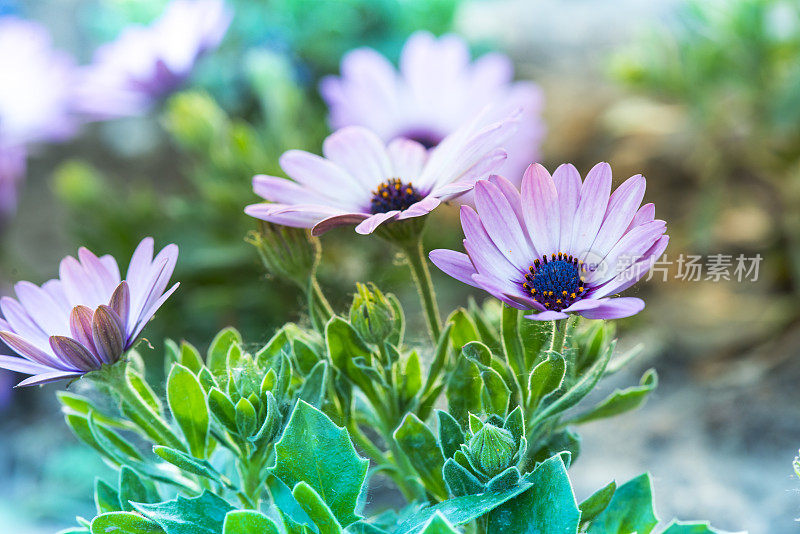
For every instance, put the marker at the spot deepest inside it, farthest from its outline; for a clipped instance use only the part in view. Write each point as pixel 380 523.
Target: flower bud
pixel 289 253
pixel 492 449
pixel 372 315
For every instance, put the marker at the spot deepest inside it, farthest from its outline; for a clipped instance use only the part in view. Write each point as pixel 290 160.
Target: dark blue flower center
pixel 394 195
pixel 555 282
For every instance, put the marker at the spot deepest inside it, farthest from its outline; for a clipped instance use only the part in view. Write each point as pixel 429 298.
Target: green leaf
pixel 223 409
pixel 419 444
pixel 548 506
pixel 283 337
pixel 190 357
pixel 305 357
pixel 246 418
pixel 272 421
pixel 218 350
pixel 439 525
pixel 106 498
pixel 630 510
pixel 313 391
pixel 464 390
pixel 621 400
pixel 124 523
pixel 679 527
pixel 315 507
pixel 459 480
pixel 451 437
pixel 577 392
pixel 187 402
pixel 460 510
pixel 535 335
pixel 496 392
pixel 343 343
pixel 545 379
pixel 290 510
pixel 77 404
pixel 132 489
pixel 248 522
pixel 316 451
pixel 412 377
pixel 187 463
pixel 201 515
pixel 597 502
pixel 463 330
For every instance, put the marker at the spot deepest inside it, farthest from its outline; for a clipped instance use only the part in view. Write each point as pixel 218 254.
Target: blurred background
pixel 702 97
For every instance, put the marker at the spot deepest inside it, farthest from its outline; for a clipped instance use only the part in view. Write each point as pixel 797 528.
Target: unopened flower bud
pixel 289 253
pixel 372 315
pixel 492 449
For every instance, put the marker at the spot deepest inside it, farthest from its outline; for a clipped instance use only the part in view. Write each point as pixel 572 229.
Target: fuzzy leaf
pixel 343 343
pixel 313 391
pixel 187 402
pixel 459 480
pixel 201 515
pixel 124 523
pixel 463 330
pixel 548 506
pixel 460 510
pixel 106 498
pixel 630 510
pixel 597 502
pixel 132 489
pixel 248 522
pixel 621 400
pixel 190 357
pixel 439 525
pixel 419 444
pixel 451 437
pixel 545 379
pixel 218 350
pixel 679 527
pixel 315 507
pixel 316 451
pixel 187 463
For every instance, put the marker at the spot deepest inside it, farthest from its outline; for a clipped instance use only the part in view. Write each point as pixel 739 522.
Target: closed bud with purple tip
pixel 88 317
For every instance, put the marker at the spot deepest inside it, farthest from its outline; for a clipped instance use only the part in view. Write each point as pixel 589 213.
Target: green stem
pixel 557 339
pixel 417 261
pixel 114 378
pixel 250 476
pixel 318 298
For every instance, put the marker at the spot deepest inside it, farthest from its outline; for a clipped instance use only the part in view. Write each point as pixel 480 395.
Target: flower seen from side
pixel 365 182
pixel 146 63
pixel 86 318
pixel 436 90
pixel 559 246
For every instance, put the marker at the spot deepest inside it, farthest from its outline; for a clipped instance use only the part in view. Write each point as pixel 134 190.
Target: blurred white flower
pixel 146 63
pixel 35 90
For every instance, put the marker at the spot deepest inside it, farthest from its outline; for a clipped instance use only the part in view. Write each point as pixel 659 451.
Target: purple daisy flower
pixel 363 181
pixel 87 317
pixel 35 93
pixel 146 63
pixel 561 246
pixel 436 90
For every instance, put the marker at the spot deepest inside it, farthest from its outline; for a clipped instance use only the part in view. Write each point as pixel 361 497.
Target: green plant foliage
pixel 316 452
pixel 187 403
pixel 548 506
pixel 201 515
pixel 248 522
pixel 630 509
